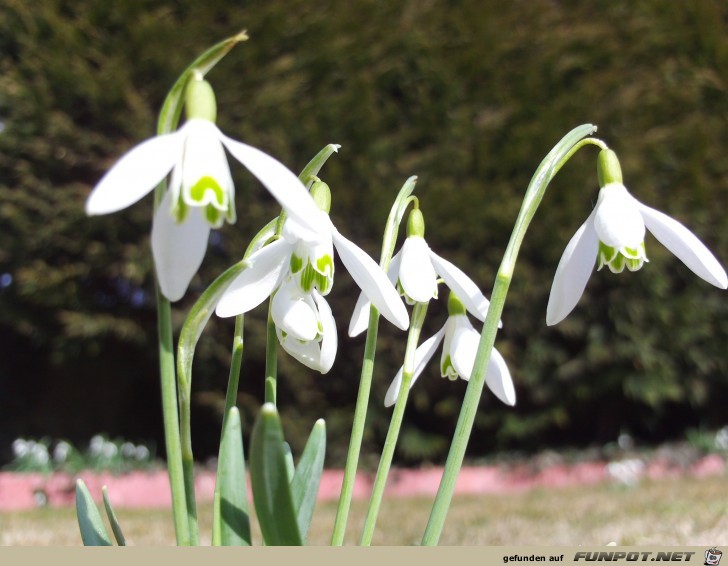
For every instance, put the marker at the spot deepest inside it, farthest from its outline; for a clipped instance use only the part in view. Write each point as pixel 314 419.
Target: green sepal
pixel 113 521
pixel 232 518
pixel 93 531
pixel 269 478
pixel 305 484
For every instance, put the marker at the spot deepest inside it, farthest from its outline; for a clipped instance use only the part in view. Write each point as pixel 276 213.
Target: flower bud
pixel 416 223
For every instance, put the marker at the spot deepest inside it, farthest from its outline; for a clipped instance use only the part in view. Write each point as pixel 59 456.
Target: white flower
pixel 200 195
pixel 307 258
pixel 458 357
pixel 416 268
pixel 614 233
pixel 305 326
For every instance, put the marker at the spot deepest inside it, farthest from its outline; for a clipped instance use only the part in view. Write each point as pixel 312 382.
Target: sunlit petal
pixel 498 379
pixel 135 174
pixel 258 281
pixel 178 249
pixel 423 354
pixel 294 313
pixel 285 187
pixel 572 274
pixel 464 346
pixel 416 274
pixel 464 288
pixel 308 352
pixel 330 340
pixel 360 317
pixel 685 245
pixel 372 281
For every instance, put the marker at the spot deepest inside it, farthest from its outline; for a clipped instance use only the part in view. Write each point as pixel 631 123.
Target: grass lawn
pixel 681 511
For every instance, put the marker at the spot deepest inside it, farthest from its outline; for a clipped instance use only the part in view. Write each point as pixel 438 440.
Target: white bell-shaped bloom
pixel 415 270
pixel 614 234
pixel 305 254
pixel 200 195
pixel 460 346
pixel 305 326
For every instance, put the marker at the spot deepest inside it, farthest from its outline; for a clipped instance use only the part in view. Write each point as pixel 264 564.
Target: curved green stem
pixel 551 164
pixel 385 462
pixel 367 369
pixel 271 360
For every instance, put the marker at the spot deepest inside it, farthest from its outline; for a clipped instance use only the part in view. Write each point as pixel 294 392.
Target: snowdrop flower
pixel 305 326
pixel 200 195
pixel 461 342
pixel 614 234
pixel 301 263
pixel 415 270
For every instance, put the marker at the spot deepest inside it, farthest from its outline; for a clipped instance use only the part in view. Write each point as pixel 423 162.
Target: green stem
pixel 271 361
pixel 385 462
pixel 551 164
pixel 367 369
pixel 357 430
pixel 171 419
pixel 231 395
pixel 188 469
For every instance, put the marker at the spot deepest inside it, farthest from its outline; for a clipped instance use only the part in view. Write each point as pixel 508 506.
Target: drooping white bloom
pixel 614 234
pixel 305 326
pixel 200 194
pixel 415 270
pixel 461 342
pixel 304 258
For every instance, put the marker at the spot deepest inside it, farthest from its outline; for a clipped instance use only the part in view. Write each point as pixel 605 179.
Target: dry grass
pixel 684 511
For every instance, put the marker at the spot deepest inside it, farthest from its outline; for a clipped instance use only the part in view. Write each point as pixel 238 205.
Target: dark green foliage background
pixel 467 95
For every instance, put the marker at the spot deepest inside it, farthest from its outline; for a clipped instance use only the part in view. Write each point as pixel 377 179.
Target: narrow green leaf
pixel 314 166
pixel 305 484
pixel 93 531
pixel 269 478
pixel 113 521
pixel 172 107
pixel 233 486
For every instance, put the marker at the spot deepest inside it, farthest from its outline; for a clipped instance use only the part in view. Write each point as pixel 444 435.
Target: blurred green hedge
pixel 466 95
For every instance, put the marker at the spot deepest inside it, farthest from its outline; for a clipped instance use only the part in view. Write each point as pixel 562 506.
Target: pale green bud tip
pixel 608 168
pixel 454 305
pixel 416 223
pixel 200 100
pixel 321 194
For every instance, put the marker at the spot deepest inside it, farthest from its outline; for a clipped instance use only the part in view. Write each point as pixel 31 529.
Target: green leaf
pixel 305 484
pixel 269 478
pixel 290 466
pixel 172 107
pixel 233 518
pixel 115 527
pixel 93 531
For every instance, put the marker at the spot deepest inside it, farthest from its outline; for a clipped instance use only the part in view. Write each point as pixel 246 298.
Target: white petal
pixel 685 245
pixel 135 174
pixel 416 273
pixel 294 313
pixel 464 288
pixel 372 280
pixel 464 346
pixel 308 353
pixel 258 281
pixel 572 274
pixel 498 379
pixel 178 249
pixel 423 354
pixel 617 220
pixel 285 187
pixel 360 317
pixel 330 340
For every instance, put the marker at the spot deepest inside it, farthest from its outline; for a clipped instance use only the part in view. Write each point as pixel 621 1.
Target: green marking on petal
pixel 447 369
pixel 296 263
pixel 617 259
pixel 325 264
pixel 180 211
pixel 213 216
pixel 307 278
pixel 205 186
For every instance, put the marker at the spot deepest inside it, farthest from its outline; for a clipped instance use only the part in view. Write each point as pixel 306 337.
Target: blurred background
pixel 467 95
